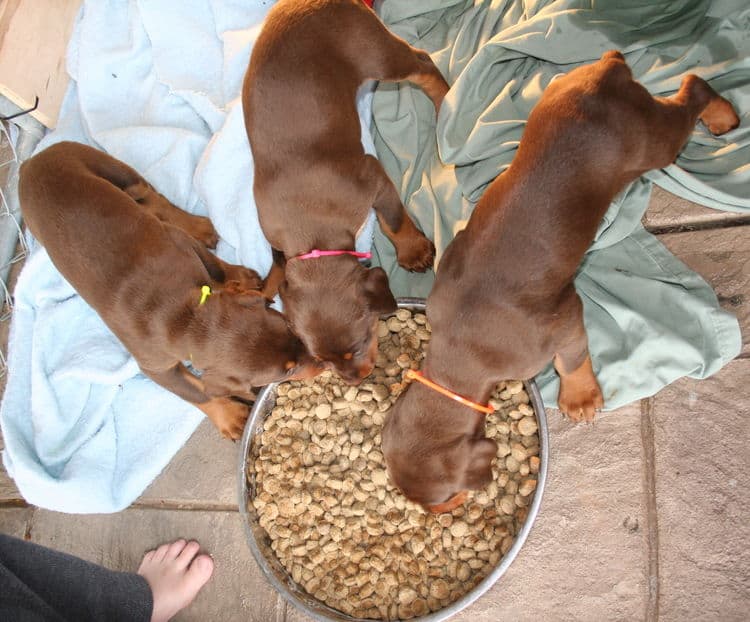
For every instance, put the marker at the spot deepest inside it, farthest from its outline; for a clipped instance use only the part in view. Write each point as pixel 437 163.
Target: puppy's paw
pixel 243 279
pixel 202 229
pixel 720 117
pixel 231 419
pixel 580 403
pixel 417 255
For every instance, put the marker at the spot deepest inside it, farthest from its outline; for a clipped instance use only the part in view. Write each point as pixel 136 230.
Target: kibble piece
pixel 379 477
pixel 459 529
pixel 482 498
pixel 403 361
pixel 527 487
pixel 380 392
pixel 534 464
pixel 439 589
pixel 394 324
pixel 419 607
pixel 406 596
pixel 514 386
pixel 527 426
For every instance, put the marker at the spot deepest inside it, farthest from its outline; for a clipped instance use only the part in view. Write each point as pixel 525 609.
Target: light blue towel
pixel 156 84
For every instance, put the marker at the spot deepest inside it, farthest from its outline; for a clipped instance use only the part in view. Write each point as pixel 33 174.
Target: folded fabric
pixel 650 320
pixel 156 84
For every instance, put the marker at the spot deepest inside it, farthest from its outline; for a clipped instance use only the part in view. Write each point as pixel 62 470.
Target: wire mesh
pixel 10 228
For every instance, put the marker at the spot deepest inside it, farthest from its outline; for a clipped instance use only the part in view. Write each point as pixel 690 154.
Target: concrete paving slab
pixel 722 257
pixel 587 555
pixel 202 474
pixel 14 521
pixel 668 211
pixel 237 591
pixel 701 431
pixel 586 558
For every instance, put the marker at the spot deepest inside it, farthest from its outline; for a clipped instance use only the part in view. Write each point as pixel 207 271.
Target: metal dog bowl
pixel 278 576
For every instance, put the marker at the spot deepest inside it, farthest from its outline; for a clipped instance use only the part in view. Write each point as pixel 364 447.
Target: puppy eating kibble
pixel 504 302
pixel 314 185
pixel 142 264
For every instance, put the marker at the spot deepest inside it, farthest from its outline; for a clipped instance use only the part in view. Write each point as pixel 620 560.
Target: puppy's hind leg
pixel 389 58
pixel 676 116
pixel 413 250
pixel 699 101
pixel 428 77
pixel 156 204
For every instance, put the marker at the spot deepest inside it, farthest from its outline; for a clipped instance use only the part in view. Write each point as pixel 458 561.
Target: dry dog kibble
pixel 337 524
pixel 527 426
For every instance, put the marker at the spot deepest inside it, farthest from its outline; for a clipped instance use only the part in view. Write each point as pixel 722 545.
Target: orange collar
pixel 416 375
pixel 449 505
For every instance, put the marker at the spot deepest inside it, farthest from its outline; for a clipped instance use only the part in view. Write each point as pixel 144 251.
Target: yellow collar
pixel 205 293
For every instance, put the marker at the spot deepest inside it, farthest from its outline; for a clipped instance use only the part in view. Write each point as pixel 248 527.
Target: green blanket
pixel 650 320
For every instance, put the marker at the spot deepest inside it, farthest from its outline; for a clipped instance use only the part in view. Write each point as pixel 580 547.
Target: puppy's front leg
pixel 151 201
pixel 275 275
pixel 580 395
pixel 413 250
pixel 228 415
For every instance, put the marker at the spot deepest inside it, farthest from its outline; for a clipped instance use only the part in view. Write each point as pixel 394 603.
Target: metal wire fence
pixel 10 231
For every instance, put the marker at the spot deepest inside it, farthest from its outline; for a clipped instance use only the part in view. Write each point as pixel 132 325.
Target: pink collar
pixel 315 253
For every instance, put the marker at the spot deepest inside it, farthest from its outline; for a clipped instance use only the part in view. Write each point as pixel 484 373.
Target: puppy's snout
pixel 305 372
pixel 349 377
pixel 354 374
pixel 307 367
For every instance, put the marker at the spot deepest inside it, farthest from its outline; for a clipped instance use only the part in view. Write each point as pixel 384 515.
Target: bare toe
pixel 174 549
pixel 200 571
pixel 188 553
pixel 160 553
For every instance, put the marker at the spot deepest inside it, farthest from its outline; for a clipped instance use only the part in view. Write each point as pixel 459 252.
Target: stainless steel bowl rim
pixel 467 599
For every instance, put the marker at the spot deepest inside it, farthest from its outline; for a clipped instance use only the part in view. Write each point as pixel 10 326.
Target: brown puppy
pixel 141 263
pixel 492 320
pixel 314 184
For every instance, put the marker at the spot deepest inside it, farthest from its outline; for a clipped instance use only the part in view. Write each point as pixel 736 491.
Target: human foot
pixel 176 573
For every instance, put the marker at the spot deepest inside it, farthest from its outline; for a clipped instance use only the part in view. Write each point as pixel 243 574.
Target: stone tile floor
pixel 645 515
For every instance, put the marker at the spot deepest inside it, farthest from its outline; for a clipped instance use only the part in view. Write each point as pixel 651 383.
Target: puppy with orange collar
pixel 491 320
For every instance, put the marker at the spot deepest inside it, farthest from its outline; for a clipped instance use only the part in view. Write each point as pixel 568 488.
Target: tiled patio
pixel 645 515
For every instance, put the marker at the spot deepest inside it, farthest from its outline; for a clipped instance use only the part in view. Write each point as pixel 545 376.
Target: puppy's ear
pixel 378 293
pixel 479 464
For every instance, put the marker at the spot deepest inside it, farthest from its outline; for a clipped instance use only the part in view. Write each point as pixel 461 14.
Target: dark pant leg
pixel 39 584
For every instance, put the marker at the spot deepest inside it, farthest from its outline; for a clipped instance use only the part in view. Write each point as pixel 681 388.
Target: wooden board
pixel 33 38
